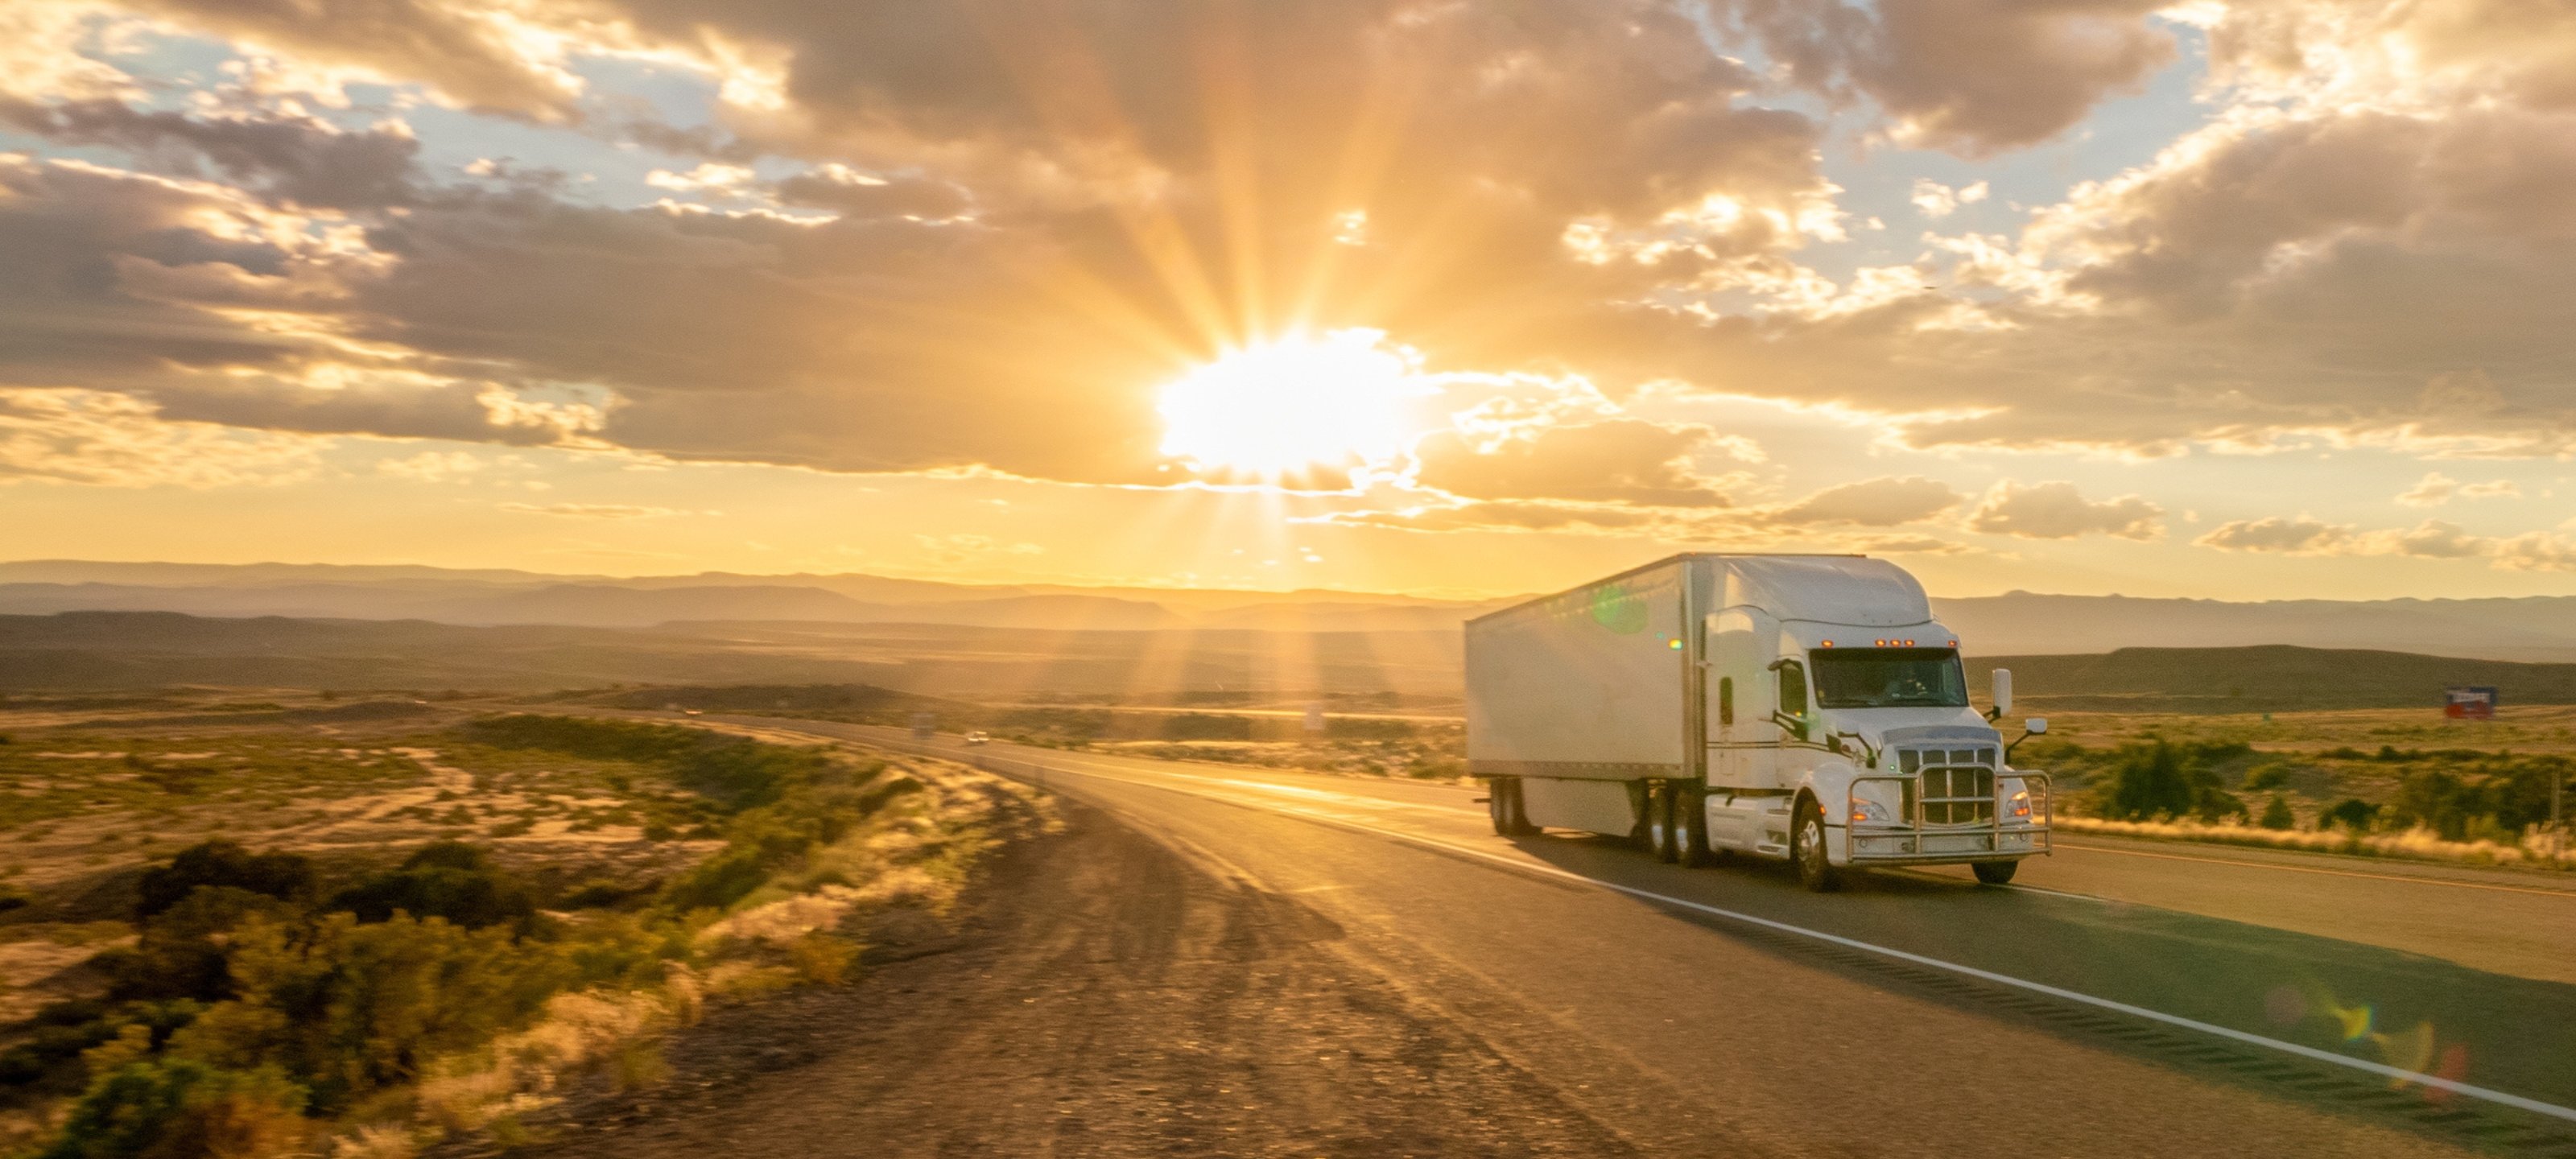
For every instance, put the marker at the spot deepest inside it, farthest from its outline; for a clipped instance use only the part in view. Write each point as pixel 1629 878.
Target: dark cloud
pixel 92 260
pixel 299 160
pixel 454 47
pixel 1970 76
pixel 843 191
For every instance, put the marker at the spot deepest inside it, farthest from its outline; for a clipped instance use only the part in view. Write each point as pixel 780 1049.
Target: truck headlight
pixel 1869 813
pixel 2019 804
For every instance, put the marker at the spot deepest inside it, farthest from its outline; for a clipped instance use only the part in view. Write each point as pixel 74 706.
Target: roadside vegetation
pixel 360 945
pixel 2459 804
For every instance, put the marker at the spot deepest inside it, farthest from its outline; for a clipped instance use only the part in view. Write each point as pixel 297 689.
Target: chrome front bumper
pixel 1911 842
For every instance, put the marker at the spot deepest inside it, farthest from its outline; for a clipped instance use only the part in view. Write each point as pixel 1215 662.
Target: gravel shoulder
pixel 1094 994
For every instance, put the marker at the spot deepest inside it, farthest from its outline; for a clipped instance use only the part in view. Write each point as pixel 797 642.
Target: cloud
pixel 98 439
pixel 432 466
pixel 1622 460
pixel 299 160
pixel 490 57
pixel 2431 539
pixel 2059 511
pixel 1971 76
pixel 2436 488
pixel 1885 502
pixel 598 510
pixel 844 190
pixel 1937 200
pixel 1043 212
pixel 2299 536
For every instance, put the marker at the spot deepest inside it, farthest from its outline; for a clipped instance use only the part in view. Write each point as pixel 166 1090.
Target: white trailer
pixel 1799 707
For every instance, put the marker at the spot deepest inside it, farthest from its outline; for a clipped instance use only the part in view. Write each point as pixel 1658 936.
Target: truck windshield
pixel 1889 678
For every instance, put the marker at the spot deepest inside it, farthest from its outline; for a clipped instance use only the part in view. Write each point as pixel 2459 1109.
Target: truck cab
pixel 1839 728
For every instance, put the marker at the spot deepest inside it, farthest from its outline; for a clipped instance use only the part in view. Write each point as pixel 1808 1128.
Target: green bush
pixel 223 863
pixel 348 1007
pixel 2352 813
pixel 2269 775
pixel 2276 814
pixel 182 1109
pixel 181 953
pixel 2148 783
pixel 444 879
pixel 2161 780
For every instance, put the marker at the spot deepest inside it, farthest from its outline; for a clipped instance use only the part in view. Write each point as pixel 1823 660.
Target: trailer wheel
pixel 1659 821
pixel 1995 872
pixel 1503 805
pixel 1807 849
pixel 1690 825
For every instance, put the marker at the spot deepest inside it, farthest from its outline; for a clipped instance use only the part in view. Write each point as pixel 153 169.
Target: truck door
pixel 1735 705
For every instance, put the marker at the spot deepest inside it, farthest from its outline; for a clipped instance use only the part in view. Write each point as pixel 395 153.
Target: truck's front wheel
pixel 1807 849
pixel 1995 872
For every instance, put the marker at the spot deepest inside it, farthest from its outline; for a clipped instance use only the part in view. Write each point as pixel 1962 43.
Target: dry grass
pixel 2536 850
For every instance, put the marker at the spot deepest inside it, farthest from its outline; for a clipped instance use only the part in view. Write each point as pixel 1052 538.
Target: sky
pixel 2236 299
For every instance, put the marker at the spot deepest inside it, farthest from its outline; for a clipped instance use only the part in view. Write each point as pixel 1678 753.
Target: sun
pixel 1295 405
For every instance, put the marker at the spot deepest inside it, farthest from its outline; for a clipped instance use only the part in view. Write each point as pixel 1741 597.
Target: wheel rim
pixel 1811 847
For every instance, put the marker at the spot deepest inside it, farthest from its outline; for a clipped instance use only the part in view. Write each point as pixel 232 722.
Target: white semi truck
pixel 1799 707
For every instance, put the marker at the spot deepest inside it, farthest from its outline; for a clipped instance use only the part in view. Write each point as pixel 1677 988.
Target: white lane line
pixel 2383 1070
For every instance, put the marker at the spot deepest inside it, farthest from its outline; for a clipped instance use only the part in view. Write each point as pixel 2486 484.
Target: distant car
pixel 977 738
pixel 692 712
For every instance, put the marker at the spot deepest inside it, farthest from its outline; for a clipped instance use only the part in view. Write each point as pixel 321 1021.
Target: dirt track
pixel 1105 997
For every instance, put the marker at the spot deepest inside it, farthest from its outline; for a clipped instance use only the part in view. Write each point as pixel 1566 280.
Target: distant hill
pixel 2021 623
pixel 82 652
pixel 2537 628
pixel 2270 678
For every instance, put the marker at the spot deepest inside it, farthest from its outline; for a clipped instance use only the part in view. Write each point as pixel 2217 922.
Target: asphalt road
pixel 2134 997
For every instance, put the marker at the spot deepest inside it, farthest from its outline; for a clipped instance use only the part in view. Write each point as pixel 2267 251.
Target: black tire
pixel 1659 821
pixel 1807 850
pixel 1498 806
pixel 1516 822
pixel 1995 872
pixel 1690 825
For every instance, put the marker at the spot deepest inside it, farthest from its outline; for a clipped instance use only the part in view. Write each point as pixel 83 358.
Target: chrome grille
pixel 1958 785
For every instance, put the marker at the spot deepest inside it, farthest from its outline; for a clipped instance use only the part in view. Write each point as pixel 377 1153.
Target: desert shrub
pixel 225 863
pixel 2494 797
pixel 444 879
pixel 2215 806
pixel 821 958
pixel 180 953
pixel 737 772
pixel 2147 783
pixel 2269 775
pixel 182 1109
pixel 2160 779
pixel 2352 813
pixel 348 1007
pixel 2276 814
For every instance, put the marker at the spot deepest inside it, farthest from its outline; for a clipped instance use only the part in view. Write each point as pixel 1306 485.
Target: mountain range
pixel 2530 628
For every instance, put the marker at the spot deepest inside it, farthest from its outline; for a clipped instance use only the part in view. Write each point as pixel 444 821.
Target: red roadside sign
pixel 2470 703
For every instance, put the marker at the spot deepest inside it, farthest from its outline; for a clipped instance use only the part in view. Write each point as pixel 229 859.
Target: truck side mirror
pixel 2002 681
pixel 2036 726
